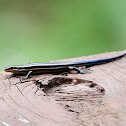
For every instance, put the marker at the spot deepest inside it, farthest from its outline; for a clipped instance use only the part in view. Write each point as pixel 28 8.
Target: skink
pixel 57 67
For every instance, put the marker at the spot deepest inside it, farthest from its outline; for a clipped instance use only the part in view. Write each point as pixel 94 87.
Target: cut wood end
pixel 96 98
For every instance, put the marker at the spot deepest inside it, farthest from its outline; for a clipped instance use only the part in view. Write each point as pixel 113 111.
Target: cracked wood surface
pixel 93 99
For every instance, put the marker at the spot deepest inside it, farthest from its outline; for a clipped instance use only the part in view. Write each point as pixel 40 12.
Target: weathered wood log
pixel 93 99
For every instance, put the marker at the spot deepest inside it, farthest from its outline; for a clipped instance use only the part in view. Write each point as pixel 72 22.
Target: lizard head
pixel 10 69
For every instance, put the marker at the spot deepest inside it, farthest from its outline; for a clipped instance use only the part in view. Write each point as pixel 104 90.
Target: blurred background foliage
pixel 45 30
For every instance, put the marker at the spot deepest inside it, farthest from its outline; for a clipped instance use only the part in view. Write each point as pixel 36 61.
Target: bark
pixel 93 99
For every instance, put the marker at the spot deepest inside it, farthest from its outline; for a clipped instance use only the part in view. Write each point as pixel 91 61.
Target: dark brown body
pixel 57 67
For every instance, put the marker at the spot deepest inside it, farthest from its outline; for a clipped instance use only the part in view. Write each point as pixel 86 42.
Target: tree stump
pixel 93 99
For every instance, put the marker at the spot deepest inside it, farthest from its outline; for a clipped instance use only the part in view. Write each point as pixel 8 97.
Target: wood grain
pixel 93 99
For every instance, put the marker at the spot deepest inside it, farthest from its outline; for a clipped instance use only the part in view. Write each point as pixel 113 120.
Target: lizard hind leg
pixel 77 70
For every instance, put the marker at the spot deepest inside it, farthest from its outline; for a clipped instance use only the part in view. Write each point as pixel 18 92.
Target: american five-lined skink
pixel 57 67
